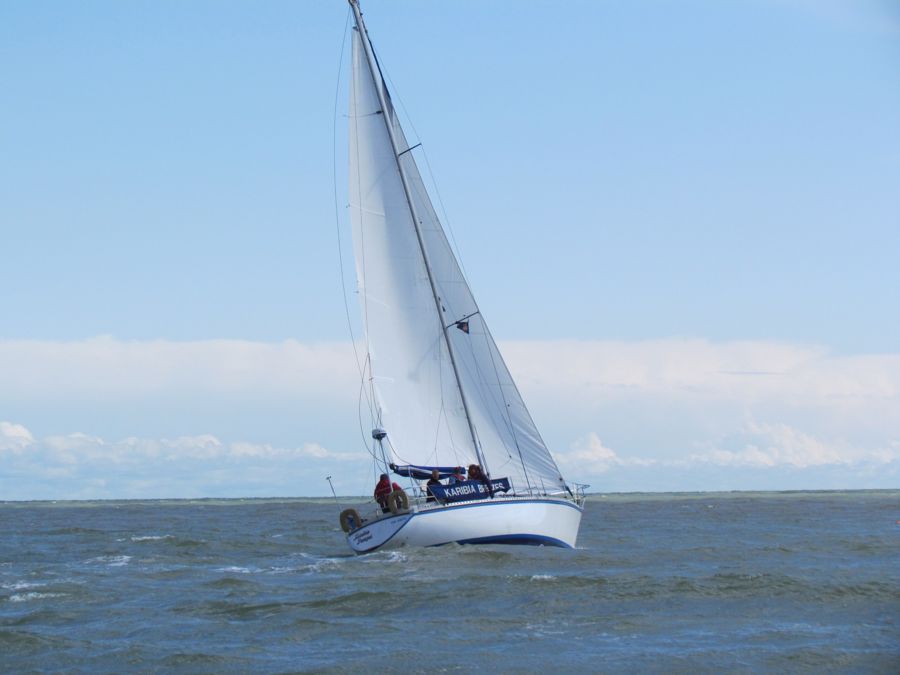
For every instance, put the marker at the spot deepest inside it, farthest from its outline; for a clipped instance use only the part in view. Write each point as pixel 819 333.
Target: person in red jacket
pixel 383 490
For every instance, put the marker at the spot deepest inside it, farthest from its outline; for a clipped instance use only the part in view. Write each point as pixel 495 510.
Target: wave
pixel 230 583
pixel 199 659
pixel 382 557
pixel 236 569
pixel 74 530
pixel 22 585
pixel 310 564
pixel 360 603
pixel 240 610
pixel 720 585
pixel 110 560
pixel 168 539
pixel 27 597
pixel 12 641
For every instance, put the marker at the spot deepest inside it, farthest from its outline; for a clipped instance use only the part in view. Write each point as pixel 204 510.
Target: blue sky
pixel 680 219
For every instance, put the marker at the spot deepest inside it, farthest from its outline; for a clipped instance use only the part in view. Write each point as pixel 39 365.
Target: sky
pixel 681 221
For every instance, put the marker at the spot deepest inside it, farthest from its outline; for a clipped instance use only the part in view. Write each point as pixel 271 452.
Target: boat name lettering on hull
pixel 470 489
pixel 362 537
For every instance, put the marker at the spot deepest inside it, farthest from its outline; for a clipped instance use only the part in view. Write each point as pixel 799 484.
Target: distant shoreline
pixel 591 497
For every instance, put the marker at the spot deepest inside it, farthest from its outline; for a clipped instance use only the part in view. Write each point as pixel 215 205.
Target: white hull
pixel 537 521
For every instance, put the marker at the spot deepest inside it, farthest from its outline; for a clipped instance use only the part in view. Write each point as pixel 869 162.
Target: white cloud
pixel 202 447
pixel 109 369
pixel 14 437
pixel 81 466
pixel 745 370
pixel 759 456
pixel 589 455
pixel 779 445
pixel 106 368
pixel 662 399
pixel 310 450
pixel 661 404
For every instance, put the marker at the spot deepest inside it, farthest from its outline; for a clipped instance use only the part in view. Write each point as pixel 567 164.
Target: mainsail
pixel 442 390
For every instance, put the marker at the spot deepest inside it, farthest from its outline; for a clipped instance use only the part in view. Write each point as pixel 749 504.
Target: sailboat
pixel 443 402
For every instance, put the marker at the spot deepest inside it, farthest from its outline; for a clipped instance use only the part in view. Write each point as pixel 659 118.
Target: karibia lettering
pixel 470 489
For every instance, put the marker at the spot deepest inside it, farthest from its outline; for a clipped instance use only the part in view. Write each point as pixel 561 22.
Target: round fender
pixel 398 501
pixel 350 519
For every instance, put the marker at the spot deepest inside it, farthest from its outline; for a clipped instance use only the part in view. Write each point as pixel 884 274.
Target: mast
pixel 380 88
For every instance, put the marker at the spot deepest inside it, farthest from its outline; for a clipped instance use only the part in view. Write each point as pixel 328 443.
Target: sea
pixel 659 583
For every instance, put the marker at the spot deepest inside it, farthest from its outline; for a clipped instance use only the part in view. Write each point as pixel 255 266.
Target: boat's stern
pixel 375 534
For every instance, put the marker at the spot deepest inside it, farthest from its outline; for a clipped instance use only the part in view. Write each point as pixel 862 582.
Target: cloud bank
pixel 80 466
pixel 672 414
pixel 104 368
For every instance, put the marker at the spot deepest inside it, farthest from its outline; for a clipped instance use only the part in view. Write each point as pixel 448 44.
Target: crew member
pixel 434 480
pixel 383 490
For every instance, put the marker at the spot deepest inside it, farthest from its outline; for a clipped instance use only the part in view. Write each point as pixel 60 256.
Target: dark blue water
pixel 718 582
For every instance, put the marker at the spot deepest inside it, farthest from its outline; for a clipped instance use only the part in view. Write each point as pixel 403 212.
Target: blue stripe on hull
pixel 519 539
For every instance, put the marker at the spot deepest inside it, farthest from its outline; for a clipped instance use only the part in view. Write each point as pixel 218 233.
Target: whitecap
pixel 22 585
pixel 543 577
pixel 152 537
pixel 323 565
pixel 112 560
pixel 388 556
pixel 25 597
pixel 313 564
pixel 282 570
pixel 540 630
pixel 234 569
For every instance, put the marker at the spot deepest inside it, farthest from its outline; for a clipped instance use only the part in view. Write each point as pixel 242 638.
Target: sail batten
pixel 443 391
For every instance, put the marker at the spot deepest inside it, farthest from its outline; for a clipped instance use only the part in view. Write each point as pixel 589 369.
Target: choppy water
pixel 709 583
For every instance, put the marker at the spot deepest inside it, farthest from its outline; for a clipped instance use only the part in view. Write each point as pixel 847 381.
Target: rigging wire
pixel 508 418
pixel 362 431
pixel 337 221
pixel 445 219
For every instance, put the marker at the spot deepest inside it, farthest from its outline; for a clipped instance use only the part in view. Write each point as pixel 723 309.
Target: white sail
pixel 414 319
